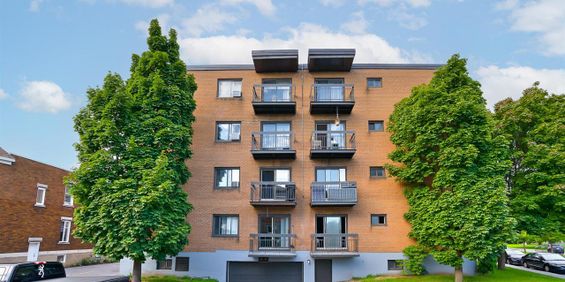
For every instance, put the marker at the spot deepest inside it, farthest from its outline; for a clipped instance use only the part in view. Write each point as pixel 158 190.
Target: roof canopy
pixel 275 60
pixel 330 59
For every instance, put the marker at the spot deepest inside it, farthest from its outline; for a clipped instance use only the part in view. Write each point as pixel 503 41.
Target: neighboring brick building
pixel 288 179
pixel 36 213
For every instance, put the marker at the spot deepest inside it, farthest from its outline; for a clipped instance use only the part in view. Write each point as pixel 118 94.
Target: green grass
pixel 508 274
pixel 171 278
pixel 520 246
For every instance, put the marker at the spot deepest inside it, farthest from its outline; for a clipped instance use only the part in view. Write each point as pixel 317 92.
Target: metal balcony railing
pixel 333 140
pixel 332 93
pixel 270 192
pixel 271 141
pixel 335 243
pixel 270 242
pixel 339 192
pixel 273 93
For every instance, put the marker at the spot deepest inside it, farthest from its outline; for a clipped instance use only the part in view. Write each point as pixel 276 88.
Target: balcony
pixel 274 99
pixel 271 245
pixel 335 245
pixel 333 144
pixel 331 99
pixel 339 193
pixel 268 193
pixel 272 145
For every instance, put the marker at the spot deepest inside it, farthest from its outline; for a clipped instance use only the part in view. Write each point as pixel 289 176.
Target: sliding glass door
pixel 274 231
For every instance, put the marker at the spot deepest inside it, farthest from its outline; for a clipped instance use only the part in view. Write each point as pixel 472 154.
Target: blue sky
pixel 52 51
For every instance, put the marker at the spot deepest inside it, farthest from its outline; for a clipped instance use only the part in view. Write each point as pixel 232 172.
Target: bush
pixel 415 262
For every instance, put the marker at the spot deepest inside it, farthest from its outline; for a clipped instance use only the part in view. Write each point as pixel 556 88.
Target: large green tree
pixel 535 124
pixel 134 139
pixel 453 168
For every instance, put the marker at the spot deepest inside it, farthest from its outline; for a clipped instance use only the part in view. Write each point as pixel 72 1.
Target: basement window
pixel 181 263
pixel 166 264
pixel 395 264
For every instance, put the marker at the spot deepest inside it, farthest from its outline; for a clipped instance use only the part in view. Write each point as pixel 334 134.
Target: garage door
pixel 267 271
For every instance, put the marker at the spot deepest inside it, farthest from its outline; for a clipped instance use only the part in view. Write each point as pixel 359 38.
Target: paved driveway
pixel 562 276
pixel 107 269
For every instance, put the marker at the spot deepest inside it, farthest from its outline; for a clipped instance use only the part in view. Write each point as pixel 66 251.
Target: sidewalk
pixel 107 269
pixel 562 276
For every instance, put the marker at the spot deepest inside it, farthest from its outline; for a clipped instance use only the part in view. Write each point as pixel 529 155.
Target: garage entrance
pixel 265 271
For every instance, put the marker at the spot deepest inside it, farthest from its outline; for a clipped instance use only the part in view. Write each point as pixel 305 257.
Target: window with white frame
pixel 65 230
pixel 68 199
pixel 40 198
pixel 229 88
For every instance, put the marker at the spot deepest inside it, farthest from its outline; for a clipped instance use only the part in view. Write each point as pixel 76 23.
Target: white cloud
pixel 265 7
pixel 499 83
pixel 3 94
pixel 546 18
pixel 209 18
pixel 403 11
pixel 43 96
pixel 332 3
pixel 34 5
pixel 149 3
pixel 506 4
pixel 358 24
pixel 163 19
pixel 235 49
pixel 407 19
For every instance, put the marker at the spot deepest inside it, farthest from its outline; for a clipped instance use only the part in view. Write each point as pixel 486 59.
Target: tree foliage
pixel 134 139
pixel 535 124
pixel 453 167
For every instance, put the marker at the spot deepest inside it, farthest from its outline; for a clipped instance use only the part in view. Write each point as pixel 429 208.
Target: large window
pixel 374 82
pixel 275 136
pixel 228 131
pixel 65 233
pixel 227 177
pixel 40 197
pixel 277 89
pixel 225 225
pixel 68 199
pixel 229 88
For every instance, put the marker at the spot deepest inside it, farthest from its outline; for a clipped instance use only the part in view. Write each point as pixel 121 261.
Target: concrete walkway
pixel 107 269
pixel 562 276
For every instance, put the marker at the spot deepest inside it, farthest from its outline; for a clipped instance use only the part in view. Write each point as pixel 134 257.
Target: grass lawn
pixel 171 278
pixel 521 246
pixel 508 274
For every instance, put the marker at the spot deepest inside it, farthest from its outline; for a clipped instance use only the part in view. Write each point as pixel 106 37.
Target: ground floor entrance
pixel 323 270
pixel 265 271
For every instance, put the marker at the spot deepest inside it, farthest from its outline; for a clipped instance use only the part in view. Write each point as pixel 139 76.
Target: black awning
pixel 330 59
pixel 275 60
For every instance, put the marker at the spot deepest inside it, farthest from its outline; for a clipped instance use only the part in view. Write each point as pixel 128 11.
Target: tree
pixel 453 168
pixel 134 139
pixel 535 124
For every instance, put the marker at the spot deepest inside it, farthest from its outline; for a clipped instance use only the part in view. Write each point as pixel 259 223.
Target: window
pixel 374 82
pixel 62 258
pixel 68 199
pixel 181 264
pixel 227 177
pixel 165 264
pixel 378 219
pixel 225 225
pixel 229 88
pixel 41 191
pixel 377 172
pixel 228 131
pixel 376 125
pixel 395 264
pixel 277 90
pixel 65 229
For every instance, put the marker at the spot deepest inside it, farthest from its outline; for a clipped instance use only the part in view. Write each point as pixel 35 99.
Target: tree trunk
pixel 136 274
pixel 502 261
pixel 459 273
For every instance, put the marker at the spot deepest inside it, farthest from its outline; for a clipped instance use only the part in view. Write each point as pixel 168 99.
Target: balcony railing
pixel 269 244
pixel 331 93
pixel 272 145
pixel 274 99
pixel 339 193
pixel 335 245
pixel 333 144
pixel 273 193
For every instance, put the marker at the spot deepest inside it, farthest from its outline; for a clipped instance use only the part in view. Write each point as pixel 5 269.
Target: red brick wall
pixel 20 218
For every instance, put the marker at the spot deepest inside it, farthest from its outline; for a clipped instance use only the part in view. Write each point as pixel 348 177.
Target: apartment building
pixel 36 213
pixel 288 180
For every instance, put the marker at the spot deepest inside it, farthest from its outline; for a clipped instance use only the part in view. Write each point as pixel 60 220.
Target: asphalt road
pixel 107 269
pixel 562 276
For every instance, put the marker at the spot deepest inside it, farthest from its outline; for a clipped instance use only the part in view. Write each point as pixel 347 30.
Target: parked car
pixel 514 257
pixel 42 270
pixel 557 249
pixel 546 261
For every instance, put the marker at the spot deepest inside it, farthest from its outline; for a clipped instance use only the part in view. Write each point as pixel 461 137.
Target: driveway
pixel 562 276
pixel 107 269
